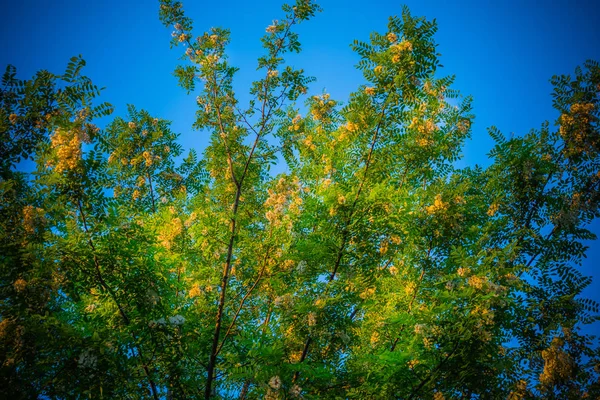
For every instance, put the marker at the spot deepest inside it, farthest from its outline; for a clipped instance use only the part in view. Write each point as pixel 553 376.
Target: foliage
pixel 372 268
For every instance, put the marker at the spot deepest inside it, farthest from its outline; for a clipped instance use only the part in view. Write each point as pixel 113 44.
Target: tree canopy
pixel 373 267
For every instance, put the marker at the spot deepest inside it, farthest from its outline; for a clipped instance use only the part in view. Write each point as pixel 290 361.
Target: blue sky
pixel 502 53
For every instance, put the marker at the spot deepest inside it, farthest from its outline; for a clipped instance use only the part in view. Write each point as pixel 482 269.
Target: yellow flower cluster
pixel 425 128
pixel 370 91
pixel 285 197
pixel 399 49
pixel 374 338
pixel 273 73
pixel 272 28
pixel 576 130
pixel 169 232
pixel 392 37
pixel 312 319
pixel 295 123
pixel 520 392
pixel 369 292
pixel 477 282
pixel 147 158
pixel 558 365
pixel 410 288
pixel 13 118
pixel 493 209
pixel 463 126
pixel 351 126
pixel 190 220
pixel 438 205
pixel 67 144
pixel 321 107
pixel 383 248
pixel 20 285
pixel 295 357
pixel 32 217
pixel 485 314
pixel 195 291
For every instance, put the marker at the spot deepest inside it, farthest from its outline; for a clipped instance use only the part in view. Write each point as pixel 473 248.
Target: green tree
pixel 373 268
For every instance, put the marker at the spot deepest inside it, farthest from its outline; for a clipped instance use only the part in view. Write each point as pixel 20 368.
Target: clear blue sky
pixel 503 53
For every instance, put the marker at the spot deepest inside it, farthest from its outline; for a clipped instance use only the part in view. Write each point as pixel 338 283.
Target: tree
pixel 373 268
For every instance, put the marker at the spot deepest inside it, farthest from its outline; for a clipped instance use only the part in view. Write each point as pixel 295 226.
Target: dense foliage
pixel 372 268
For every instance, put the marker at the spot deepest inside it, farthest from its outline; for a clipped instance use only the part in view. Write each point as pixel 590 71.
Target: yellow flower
pixel 13 118
pixel 384 247
pixel 438 205
pixel 493 209
pixel 20 285
pixel 351 126
pixel 132 125
pixel 68 149
pixel 295 357
pixel 374 338
pixel 369 91
pixel 378 69
pixel 392 37
pixel 477 282
pixel 195 291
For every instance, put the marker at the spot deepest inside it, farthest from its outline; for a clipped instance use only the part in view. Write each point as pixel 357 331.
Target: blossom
pixel 32 216
pixel 13 118
pixel 295 391
pixel 351 126
pixel 393 270
pixel 558 364
pixel 438 205
pixel 272 73
pixel 369 91
pixel 20 284
pixel 275 382
pixel 131 125
pixel 493 209
pixel 374 338
pixel 391 37
pixel 312 319
pixel 477 281
pixel 295 357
